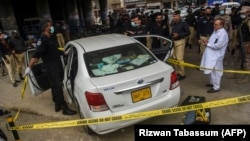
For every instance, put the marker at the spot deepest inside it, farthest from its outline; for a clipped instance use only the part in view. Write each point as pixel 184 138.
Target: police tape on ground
pixel 146 114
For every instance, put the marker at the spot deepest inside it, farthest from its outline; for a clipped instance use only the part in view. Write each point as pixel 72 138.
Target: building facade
pixel 24 16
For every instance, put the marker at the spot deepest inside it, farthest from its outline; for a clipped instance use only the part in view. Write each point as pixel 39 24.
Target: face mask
pixel 222 12
pixel 52 29
pixel 242 16
pixel 5 36
pixel 133 24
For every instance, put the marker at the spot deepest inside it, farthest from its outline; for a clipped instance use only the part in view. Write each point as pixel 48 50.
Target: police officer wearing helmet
pixel 47 50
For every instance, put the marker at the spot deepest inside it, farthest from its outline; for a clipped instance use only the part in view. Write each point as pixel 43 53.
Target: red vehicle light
pixel 96 101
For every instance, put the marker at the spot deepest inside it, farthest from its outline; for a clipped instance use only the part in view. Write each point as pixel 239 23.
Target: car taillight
pixel 96 101
pixel 174 81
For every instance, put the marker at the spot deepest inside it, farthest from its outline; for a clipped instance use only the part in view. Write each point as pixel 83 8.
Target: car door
pixel 164 51
pixel 37 80
pixel 70 71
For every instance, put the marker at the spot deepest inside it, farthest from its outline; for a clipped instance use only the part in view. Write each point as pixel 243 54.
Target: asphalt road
pixel 39 109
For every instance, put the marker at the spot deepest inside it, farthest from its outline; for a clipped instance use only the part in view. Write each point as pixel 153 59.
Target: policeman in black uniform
pixel 50 55
pixel 216 10
pixel 190 19
pixel 137 28
pixel 158 27
pixel 205 28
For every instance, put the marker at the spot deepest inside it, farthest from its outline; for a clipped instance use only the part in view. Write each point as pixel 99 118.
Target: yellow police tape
pixel 60 48
pixel 199 67
pixel 24 86
pixel 22 96
pixel 147 114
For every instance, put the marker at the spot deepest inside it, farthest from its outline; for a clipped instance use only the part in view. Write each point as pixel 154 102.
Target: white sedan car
pixel 113 74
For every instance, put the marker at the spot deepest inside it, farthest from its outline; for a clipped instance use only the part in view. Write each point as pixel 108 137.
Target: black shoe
pixel 67 111
pixel 181 77
pixel 14 84
pixel 212 90
pixel 18 81
pixel 58 107
pixel 209 85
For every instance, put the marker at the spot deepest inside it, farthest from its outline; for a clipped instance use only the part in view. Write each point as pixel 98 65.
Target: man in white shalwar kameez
pixel 214 54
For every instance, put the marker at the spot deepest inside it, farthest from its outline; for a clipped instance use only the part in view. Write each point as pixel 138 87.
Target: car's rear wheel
pixel 85 127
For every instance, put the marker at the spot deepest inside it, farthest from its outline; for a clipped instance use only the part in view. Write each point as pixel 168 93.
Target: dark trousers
pixel 156 43
pixel 55 77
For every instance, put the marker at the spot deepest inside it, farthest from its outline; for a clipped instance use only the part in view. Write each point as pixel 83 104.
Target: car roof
pixel 230 3
pixel 103 41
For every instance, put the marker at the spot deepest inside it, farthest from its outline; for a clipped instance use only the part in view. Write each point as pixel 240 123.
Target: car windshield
pixel 117 59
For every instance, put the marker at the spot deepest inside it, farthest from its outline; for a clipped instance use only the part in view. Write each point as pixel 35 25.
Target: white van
pixel 229 5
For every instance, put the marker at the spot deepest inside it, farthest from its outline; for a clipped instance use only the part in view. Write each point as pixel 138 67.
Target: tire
pixel 85 127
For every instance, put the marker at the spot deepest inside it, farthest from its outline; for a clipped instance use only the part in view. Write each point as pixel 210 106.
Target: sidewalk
pixel 10 99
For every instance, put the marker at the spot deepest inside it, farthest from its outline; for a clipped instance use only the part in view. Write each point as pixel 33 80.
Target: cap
pixel 222 7
pixel 177 12
pixel 43 24
pixel 244 9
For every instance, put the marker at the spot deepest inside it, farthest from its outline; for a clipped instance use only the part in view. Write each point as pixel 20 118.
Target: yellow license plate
pixel 141 94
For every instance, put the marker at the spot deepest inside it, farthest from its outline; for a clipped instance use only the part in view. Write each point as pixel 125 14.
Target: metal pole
pixel 14 132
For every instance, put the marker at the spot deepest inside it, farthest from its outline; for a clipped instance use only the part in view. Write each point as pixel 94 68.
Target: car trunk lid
pixel 121 93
